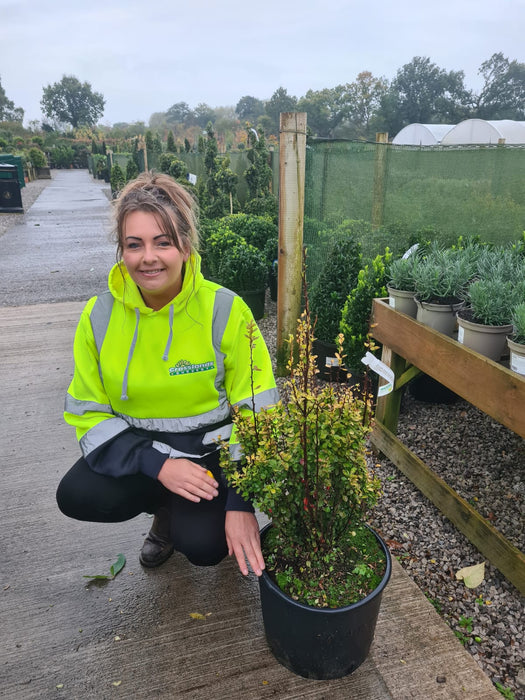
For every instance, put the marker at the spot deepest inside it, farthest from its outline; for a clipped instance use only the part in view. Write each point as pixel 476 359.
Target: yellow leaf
pixel 116 683
pixel 472 576
pixel 198 616
pixel 60 686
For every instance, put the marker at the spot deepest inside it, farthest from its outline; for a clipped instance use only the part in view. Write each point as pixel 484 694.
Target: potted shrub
pixel 305 467
pixel 440 282
pixel 328 294
pixel 486 321
pixel 217 239
pixel 516 342
pixel 355 316
pixel 401 285
pixel 243 268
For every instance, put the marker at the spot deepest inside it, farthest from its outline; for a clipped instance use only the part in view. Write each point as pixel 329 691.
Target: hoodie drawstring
pixel 170 336
pixel 124 396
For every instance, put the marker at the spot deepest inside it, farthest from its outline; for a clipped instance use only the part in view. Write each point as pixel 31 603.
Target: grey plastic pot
pixel 440 317
pixel 403 301
pixel 489 341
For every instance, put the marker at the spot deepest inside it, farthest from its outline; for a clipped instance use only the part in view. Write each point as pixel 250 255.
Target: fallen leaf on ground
pixel 472 576
pixel 199 616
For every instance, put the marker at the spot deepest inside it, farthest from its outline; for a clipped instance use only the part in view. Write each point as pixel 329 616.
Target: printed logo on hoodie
pixel 185 367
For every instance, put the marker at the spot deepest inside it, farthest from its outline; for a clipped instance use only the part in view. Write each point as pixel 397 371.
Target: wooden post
pixel 378 199
pixel 292 157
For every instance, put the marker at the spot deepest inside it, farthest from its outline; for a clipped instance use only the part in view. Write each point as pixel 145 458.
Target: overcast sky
pixel 145 56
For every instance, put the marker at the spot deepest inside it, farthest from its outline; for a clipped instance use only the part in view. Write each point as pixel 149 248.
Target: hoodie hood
pixel 124 290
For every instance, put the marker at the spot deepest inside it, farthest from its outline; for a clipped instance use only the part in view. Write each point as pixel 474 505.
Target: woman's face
pixel 151 258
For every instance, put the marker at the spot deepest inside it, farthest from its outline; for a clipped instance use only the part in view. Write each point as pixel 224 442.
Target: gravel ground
pixel 29 194
pixel 484 462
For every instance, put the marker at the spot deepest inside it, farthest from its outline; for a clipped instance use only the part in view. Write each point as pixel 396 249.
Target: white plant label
pixel 461 334
pixel 383 370
pixel 517 363
pixel 392 302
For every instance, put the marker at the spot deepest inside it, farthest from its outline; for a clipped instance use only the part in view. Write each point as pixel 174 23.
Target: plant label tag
pixel 331 362
pixel 461 334
pixel 517 363
pixel 392 302
pixel 383 370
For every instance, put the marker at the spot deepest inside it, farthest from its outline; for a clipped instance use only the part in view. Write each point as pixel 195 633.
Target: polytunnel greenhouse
pixel 468 132
pixel 422 134
pixel 480 131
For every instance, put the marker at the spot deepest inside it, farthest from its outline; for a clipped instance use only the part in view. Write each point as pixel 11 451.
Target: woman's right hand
pixel 188 479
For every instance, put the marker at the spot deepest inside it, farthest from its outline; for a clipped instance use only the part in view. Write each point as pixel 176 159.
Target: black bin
pixel 10 196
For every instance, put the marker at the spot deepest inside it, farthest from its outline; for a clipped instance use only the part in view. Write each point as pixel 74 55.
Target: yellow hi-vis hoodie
pixel 149 385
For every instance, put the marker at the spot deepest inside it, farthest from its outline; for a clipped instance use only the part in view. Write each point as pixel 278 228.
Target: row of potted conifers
pixel 475 289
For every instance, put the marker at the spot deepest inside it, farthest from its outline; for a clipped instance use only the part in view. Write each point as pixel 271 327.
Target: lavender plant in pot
pixel 516 341
pixel 401 285
pixel 440 282
pixel 305 466
pixel 486 321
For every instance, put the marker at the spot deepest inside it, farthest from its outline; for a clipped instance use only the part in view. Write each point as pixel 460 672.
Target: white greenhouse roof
pixel 422 134
pixel 481 131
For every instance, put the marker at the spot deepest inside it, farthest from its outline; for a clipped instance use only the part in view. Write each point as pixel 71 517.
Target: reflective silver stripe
pixel 235 452
pixel 262 400
pixel 179 425
pixel 99 317
pixel 78 408
pixel 221 313
pixel 176 454
pixel 101 433
pixel 212 436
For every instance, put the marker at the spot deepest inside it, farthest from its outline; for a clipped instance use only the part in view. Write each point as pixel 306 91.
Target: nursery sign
pixel 383 370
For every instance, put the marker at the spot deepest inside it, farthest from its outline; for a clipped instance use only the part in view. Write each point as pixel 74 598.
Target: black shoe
pixel 157 547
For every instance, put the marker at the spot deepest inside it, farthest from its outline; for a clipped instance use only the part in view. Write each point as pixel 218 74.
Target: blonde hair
pixel 168 200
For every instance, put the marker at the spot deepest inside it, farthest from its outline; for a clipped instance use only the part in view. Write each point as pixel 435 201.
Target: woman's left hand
pixel 242 536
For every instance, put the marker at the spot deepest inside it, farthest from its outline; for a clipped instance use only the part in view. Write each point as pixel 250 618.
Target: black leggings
pixel 197 529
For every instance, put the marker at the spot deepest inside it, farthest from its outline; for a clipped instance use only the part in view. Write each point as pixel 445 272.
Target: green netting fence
pixel 391 195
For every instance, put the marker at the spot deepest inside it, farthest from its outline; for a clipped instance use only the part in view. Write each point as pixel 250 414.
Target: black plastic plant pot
pixel 320 643
pixel 255 300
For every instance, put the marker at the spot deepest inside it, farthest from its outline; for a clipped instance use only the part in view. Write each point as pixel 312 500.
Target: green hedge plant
pixel 243 268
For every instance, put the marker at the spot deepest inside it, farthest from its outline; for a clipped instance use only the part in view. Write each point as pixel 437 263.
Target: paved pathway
pixel 63 250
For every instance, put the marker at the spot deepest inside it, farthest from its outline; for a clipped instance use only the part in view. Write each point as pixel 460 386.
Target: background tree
pixel 363 99
pixel 178 113
pixel 202 114
pixel 72 102
pixel 218 195
pixel 503 93
pixel 8 111
pixel 279 102
pixel 170 143
pixel 259 178
pixel 423 93
pixel 325 109
pixel 249 109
